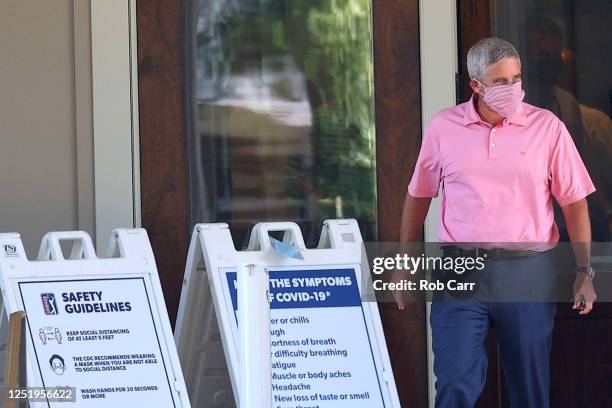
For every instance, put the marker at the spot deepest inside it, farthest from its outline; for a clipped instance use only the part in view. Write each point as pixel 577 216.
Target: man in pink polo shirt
pixel 501 163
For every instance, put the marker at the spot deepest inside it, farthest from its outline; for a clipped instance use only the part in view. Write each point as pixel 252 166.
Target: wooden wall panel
pixel 581 358
pixel 398 139
pixel 163 163
pixel 474 24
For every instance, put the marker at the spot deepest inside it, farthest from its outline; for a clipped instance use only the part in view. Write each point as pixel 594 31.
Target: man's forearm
pixel 413 217
pixel 579 230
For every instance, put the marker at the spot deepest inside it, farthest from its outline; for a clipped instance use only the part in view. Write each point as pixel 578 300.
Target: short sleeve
pixel 426 177
pixel 569 179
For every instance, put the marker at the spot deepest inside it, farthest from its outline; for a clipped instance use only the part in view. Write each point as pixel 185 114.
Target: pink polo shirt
pixel 498 182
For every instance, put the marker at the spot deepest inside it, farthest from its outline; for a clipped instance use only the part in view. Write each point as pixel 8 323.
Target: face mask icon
pixel 57 365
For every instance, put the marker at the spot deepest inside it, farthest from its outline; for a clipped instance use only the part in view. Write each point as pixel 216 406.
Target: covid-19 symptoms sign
pixel 322 353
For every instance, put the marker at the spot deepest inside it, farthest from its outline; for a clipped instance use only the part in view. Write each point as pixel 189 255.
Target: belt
pixel 493 254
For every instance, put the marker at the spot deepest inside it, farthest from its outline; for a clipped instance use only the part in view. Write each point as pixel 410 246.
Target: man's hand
pixel 411 242
pixel 402 297
pixel 583 286
pixel 410 292
pixel 579 230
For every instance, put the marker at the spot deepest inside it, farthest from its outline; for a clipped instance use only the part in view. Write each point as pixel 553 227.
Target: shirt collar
pixel 470 115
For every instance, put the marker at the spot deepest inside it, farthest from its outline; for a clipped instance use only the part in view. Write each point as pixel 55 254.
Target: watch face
pixel 590 271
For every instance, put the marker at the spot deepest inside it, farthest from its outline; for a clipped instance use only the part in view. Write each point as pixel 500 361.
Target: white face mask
pixel 503 99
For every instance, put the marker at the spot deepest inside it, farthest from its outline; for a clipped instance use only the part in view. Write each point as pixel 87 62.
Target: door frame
pixel 163 140
pixel 397 89
pixel 439 50
pixel 115 117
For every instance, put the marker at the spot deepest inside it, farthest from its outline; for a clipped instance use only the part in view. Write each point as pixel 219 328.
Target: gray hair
pixel 487 52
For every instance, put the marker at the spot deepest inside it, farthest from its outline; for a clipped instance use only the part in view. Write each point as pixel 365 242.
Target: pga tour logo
pixel 49 304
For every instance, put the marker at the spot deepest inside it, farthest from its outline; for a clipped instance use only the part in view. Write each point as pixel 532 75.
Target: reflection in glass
pixel 566 54
pixel 283 124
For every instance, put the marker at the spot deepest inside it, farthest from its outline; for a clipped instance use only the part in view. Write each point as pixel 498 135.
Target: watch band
pixel 588 270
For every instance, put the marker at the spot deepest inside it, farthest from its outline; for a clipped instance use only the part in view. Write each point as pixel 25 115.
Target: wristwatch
pixel 588 270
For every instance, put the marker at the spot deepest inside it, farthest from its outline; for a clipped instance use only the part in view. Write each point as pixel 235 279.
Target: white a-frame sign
pixel 327 345
pixel 97 325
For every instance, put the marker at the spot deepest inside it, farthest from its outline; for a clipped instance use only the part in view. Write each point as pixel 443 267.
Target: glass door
pixel 281 128
pixel 566 55
pixel 566 49
pixel 283 120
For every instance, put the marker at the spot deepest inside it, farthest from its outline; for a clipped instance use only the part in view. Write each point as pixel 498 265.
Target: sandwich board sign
pixel 327 346
pixel 97 330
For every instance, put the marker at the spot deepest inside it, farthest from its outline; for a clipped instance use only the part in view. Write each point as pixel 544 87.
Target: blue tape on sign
pixel 286 249
pixel 307 288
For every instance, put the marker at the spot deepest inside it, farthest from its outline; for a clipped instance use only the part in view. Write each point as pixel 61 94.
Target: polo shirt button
pixel 492 144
